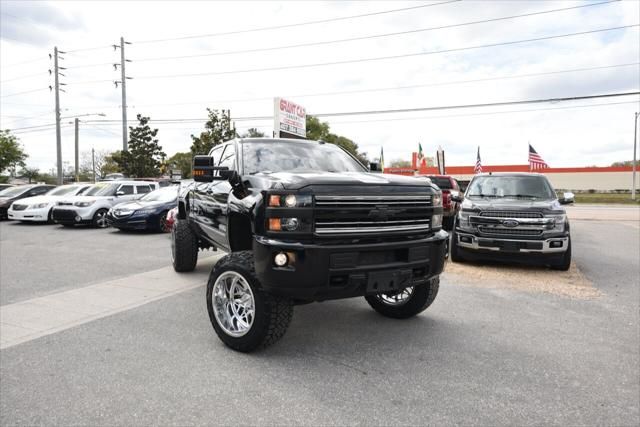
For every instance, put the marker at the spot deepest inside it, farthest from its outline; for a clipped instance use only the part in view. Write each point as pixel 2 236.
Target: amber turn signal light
pixel 274 201
pixel 274 224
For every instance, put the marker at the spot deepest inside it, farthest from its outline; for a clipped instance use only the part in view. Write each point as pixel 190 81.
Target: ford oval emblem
pixel 510 223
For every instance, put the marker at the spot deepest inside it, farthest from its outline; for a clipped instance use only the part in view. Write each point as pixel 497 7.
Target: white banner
pixel 290 118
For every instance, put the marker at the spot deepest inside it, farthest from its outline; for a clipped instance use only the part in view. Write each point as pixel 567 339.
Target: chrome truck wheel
pixel 233 304
pixel 406 303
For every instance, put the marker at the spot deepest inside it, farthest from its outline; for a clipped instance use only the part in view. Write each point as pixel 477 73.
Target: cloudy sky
pixel 181 64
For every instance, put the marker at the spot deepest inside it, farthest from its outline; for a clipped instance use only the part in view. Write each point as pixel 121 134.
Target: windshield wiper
pixel 522 196
pixel 485 195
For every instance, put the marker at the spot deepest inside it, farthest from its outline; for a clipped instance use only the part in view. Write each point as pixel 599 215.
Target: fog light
pixel 78 218
pixel 281 259
pixel 289 224
pixel 465 239
pixel 556 244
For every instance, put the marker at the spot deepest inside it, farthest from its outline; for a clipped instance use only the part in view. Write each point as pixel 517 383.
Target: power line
pixel 405 110
pixel 483 105
pixel 22 93
pixel 22 77
pixel 483 114
pixel 392 88
pixel 380 58
pixel 326 42
pixel 298 24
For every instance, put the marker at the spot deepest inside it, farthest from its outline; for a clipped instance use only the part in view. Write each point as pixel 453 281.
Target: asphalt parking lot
pixel 500 345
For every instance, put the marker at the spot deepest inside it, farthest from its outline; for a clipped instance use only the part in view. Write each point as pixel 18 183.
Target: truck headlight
pixel 83 204
pixel 436 221
pixel 437 200
pixel 299 225
pixel 558 222
pixel 38 206
pixel 289 201
pixel 464 222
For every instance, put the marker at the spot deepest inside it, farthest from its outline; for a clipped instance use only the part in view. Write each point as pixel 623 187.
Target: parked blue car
pixel 147 213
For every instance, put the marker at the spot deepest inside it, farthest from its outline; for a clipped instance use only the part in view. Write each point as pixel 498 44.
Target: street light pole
pixel 635 135
pixel 77 157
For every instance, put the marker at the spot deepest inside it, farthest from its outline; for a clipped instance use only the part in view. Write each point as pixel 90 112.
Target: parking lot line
pixel 27 320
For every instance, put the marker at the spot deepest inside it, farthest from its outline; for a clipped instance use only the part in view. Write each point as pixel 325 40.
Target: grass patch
pixel 607 198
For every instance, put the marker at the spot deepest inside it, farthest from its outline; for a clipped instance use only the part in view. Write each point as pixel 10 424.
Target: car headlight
pixel 141 212
pixel 558 222
pixel 300 225
pixel 436 221
pixel 38 206
pixel 464 222
pixel 83 204
pixel 289 201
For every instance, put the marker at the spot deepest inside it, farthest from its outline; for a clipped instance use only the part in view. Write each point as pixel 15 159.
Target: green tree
pixel 12 154
pixel 317 130
pixel 627 163
pixel 399 163
pixel 103 162
pixel 30 173
pixel 252 133
pixel 144 155
pixel 218 129
pixel 181 161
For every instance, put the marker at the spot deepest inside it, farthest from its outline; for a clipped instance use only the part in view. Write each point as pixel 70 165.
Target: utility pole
pixel 123 86
pixel 58 133
pixel 635 136
pixel 77 120
pixel 93 164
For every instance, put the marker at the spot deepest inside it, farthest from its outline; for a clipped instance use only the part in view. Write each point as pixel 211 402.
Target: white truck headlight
pixel 559 222
pixel 436 221
pixel 464 220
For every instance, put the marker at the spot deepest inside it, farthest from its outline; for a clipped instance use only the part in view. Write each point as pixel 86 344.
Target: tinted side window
pixel 126 189
pixel 142 189
pixel 217 154
pixel 228 158
pixel 39 190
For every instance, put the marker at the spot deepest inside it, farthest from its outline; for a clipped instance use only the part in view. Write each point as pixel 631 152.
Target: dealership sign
pixel 289 119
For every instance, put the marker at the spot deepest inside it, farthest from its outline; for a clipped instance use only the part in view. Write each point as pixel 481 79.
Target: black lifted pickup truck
pixel 512 217
pixel 305 221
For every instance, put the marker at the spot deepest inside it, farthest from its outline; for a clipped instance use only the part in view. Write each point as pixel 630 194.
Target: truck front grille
pixel 511 214
pixel 372 214
pixel 500 231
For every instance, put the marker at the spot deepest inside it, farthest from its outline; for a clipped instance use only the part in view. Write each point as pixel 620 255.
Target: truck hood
pixel 506 204
pixel 295 181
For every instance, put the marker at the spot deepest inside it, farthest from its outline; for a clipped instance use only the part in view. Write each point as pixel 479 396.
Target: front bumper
pixel 36 215
pixel 546 245
pixel 72 215
pixel 130 222
pixel 320 272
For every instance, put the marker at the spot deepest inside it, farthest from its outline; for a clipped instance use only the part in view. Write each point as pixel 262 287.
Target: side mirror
pixel 203 169
pixel 375 167
pixel 456 196
pixel 567 198
pixel 120 193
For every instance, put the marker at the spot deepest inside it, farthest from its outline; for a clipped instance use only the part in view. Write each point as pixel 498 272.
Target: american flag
pixel 478 168
pixel 535 161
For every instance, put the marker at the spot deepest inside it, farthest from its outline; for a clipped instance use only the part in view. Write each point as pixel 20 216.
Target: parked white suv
pixel 93 205
pixel 39 208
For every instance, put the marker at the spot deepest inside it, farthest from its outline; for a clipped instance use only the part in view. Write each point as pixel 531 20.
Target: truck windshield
pixel 292 156
pixel 521 187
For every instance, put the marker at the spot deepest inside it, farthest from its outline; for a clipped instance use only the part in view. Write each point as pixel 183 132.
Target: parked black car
pixel 9 195
pixel 146 213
